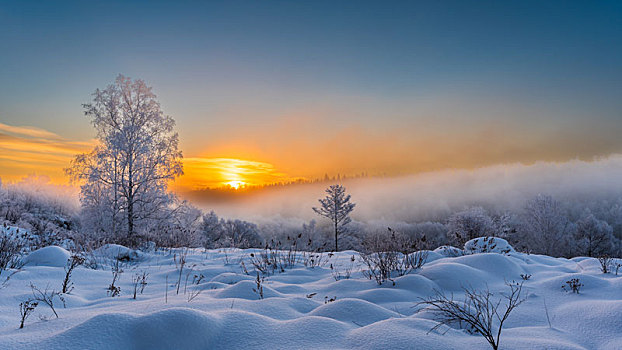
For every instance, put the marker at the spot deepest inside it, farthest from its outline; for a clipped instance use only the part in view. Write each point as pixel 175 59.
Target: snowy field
pixel 218 305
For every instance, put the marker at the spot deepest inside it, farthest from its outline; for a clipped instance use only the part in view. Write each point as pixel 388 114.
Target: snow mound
pixel 449 251
pixel 224 312
pixel 116 251
pixel 231 278
pixel 177 328
pixel 246 290
pixel 48 256
pixel 454 277
pixel 497 265
pixel 359 312
pixel 488 245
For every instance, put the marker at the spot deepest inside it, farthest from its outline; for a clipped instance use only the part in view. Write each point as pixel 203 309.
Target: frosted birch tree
pixel 125 177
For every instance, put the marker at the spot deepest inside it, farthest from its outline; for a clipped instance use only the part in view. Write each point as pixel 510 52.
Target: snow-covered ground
pixel 295 312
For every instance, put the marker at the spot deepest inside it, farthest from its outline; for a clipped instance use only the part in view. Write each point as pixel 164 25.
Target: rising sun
pixel 235 184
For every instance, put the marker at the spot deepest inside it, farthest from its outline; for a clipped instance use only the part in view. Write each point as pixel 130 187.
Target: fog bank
pixel 433 195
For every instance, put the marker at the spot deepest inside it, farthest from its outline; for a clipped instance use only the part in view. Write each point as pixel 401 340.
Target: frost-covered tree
pixel 336 206
pixel 124 179
pixel 594 237
pixel 239 233
pixel 545 227
pixel 469 224
pixel 211 228
pixel 229 233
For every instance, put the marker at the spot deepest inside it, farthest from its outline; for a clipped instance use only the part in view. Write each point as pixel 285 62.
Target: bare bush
pixel 259 285
pixel 228 258
pixel 47 297
pixel 345 273
pixel 11 246
pixel 140 282
pixel 195 291
pixel 74 261
pixel 386 255
pixel 572 285
pixel 180 262
pixel 479 311
pixel 275 257
pixel 313 259
pixel 607 264
pixel 26 308
pixel 114 290
pixel 329 300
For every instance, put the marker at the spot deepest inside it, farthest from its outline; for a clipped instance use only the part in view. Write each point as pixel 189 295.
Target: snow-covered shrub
pixel 488 245
pixel 47 212
pixel 430 234
pixel 546 229
pixel 606 263
pixel 113 252
pixel 469 224
pixel 181 229
pixel 11 246
pixel 594 237
pixel 229 233
pixel 449 251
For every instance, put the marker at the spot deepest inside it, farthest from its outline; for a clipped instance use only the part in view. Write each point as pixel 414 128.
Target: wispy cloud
pixel 29 131
pixel 30 150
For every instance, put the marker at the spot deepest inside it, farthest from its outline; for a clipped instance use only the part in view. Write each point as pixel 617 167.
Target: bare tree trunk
pixel 336 237
pixel 130 197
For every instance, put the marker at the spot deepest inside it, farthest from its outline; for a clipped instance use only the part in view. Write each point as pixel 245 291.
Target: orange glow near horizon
pixel 292 152
pixel 201 173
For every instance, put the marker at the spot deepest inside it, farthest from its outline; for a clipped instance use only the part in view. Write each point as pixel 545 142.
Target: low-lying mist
pixel 433 195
